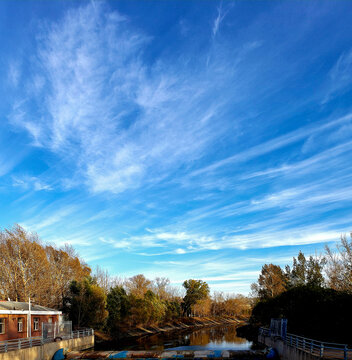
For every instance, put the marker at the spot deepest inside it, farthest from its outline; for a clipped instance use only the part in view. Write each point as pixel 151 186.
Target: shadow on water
pixel 211 338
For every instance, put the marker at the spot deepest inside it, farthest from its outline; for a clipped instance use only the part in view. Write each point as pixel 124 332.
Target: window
pixel 2 326
pixel 36 324
pixel 20 324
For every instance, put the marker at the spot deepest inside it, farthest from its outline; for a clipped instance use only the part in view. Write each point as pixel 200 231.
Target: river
pixel 209 338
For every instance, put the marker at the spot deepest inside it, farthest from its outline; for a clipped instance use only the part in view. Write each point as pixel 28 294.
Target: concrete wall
pixel 285 352
pixel 47 351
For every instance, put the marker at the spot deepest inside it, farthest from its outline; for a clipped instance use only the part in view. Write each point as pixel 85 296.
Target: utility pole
pixel 29 321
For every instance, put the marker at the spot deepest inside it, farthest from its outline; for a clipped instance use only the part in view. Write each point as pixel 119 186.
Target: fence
pixel 322 349
pixel 52 331
pixel 24 343
pixel 278 327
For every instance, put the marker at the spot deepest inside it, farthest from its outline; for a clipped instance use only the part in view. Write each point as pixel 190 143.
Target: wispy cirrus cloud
pixel 220 272
pixel 339 77
pixel 19 118
pixel 117 120
pixel 8 163
pixel 243 239
pixel 276 143
pixel 31 183
pixel 219 18
pixel 14 73
pixel 39 223
pixel 153 151
pixel 331 157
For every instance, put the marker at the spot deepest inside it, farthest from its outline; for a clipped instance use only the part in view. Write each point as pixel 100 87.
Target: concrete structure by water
pixel 47 350
pixel 286 352
pixel 294 347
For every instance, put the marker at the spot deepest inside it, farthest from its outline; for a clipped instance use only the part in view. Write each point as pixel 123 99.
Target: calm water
pixel 213 338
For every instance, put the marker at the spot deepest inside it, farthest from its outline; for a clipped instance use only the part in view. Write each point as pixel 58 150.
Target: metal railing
pixel 82 333
pixel 54 330
pixel 17 344
pixel 321 349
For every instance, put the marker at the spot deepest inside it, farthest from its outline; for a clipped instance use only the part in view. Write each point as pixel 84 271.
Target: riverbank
pixel 179 324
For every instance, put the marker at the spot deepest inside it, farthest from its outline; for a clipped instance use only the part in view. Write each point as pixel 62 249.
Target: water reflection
pixel 213 338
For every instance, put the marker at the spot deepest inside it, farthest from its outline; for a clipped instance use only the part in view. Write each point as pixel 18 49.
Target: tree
pixel 271 282
pixel 339 265
pixel 202 307
pixel 315 267
pixel 237 305
pixel 28 269
pixel 86 304
pixel 23 266
pixel 173 309
pixel 298 273
pixel 195 290
pixel 105 280
pixel 117 305
pixel 314 312
pixel 161 286
pixel 218 304
pixel 65 266
pixel 306 272
pixel 156 308
pixel 138 285
pixel 102 278
pixel 147 310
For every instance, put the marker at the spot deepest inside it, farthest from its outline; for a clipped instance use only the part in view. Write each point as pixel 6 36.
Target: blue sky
pixel 182 139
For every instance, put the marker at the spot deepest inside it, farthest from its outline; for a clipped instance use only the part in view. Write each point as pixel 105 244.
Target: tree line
pixel 314 294
pixel 138 301
pixel 60 279
pixel 333 270
pixel 29 269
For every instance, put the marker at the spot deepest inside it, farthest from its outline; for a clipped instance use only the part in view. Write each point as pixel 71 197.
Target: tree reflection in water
pixel 217 337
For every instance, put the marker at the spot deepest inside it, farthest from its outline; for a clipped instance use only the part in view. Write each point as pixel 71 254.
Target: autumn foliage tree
pixel 23 263
pixel 64 267
pixel 202 307
pixel 28 269
pixel 196 290
pixel 58 278
pixel 271 282
pixel 138 285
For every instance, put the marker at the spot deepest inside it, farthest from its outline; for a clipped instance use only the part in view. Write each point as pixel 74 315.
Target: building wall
pixel 11 325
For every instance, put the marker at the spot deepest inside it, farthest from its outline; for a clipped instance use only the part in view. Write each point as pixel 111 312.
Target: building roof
pixel 23 306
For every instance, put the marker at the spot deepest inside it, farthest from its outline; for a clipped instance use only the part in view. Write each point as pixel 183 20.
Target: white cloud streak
pixel 339 77
pixel 164 142
pixel 219 18
pixel 118 122
pixel 31 183
pixel 275 144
